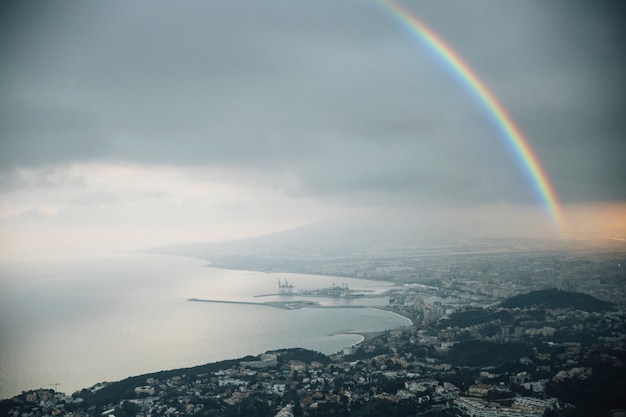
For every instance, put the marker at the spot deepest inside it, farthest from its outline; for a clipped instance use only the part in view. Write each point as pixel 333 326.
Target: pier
pixel 286 305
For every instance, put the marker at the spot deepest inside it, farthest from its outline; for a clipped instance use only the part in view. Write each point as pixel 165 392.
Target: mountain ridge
pixel 356 237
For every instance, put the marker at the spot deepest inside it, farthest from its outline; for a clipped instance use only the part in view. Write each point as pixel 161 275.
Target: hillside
pixel 343 244
pixel 553 298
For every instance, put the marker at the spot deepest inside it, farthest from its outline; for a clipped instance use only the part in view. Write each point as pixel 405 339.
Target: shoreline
pixel 396 312
pixel 365 335
pixel 158 270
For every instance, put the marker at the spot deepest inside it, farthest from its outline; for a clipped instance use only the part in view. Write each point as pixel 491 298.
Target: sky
pixel 132 124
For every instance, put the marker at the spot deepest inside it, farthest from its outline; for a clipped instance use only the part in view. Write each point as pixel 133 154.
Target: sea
pixel 68 325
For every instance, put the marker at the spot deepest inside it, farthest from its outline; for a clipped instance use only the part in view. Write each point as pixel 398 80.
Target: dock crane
pixel 55 385
pixel 286 288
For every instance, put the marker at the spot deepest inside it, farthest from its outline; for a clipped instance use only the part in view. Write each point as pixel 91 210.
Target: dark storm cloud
pixel 335 93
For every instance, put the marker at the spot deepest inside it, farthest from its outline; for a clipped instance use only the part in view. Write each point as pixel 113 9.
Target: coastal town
pixel 387 208
pixel 544 353
pixel 517 334
pixel 475 272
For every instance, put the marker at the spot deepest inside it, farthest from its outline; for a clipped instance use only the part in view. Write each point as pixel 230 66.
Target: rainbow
pixel 512 133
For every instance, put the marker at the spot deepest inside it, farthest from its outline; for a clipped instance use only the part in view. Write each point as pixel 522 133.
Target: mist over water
pixel 79 323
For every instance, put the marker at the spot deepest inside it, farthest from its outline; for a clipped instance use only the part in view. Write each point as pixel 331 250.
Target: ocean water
pixel 82 322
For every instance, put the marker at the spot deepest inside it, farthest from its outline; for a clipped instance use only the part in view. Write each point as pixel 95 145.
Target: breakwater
pixel 287 305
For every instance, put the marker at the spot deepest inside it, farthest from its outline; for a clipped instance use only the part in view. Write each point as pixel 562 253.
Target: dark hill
pixel 473 317
pixel 554 298
pixel 124 389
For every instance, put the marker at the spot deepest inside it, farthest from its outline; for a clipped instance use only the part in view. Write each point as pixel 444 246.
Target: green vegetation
pixel 483 353
pixel 124 389
pixel 127 409
pixel 554 298
pixel 248 407
pixel 598 394
pixel 382 407
pixel 473 317
pixel 6 405
pixel 303 355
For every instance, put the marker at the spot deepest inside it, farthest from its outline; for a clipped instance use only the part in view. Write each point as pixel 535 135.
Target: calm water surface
pixel 79 323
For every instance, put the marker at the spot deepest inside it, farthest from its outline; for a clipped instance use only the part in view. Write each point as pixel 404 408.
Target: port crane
pixel 285 288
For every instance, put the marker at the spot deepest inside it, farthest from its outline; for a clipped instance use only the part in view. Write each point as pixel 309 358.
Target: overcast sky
pixel 126 124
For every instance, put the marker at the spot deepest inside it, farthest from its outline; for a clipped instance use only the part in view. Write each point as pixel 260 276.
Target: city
pixel 543 352
pixel 437 185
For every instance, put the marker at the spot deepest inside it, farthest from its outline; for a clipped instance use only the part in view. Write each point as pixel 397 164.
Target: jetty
pixel 286 305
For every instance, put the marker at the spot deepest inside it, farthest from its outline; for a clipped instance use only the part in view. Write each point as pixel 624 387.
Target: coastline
pixel 396 312
pixel 367 336
pixel 162 315
pixel 293 305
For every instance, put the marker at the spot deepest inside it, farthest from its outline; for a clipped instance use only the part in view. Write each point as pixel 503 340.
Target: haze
pixel 126 125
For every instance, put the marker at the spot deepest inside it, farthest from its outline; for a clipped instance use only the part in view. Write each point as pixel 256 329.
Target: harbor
pixel 286 289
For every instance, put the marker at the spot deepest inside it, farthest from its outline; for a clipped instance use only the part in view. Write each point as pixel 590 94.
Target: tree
pixel 127 409
pixel 297 409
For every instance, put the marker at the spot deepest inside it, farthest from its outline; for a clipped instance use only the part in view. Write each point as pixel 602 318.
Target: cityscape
pixel 394 208
pixel 517 334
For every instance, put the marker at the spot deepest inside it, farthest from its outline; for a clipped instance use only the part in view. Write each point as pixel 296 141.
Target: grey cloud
pixel 31 216
pixel 335 93
pixel 94 199
pixel 41 133
pixel 45 177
